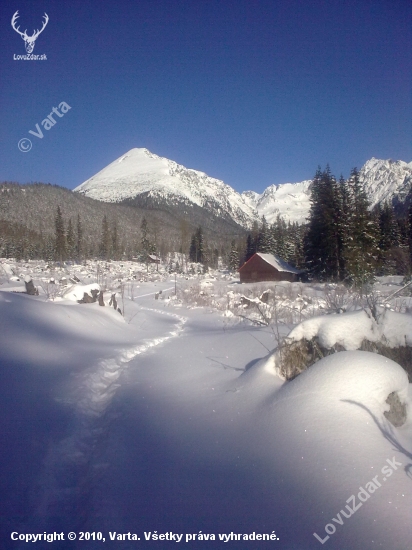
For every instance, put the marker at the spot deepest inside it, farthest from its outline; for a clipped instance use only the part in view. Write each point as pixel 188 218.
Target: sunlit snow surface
pixel 171 419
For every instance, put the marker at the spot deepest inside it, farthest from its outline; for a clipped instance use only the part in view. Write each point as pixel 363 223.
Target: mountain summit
pixel 143 178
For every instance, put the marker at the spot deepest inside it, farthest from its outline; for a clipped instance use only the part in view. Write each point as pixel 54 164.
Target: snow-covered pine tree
pixel 234 257
pixel 388 226
pixel 60 237
pixel 289 244
pixel 49 250
pixel 79 239
pixel 393 242
pixel 105 242
pixel 297 237
pixel 361 245
pixel 70 240
pixel 323 246
pixel 344 217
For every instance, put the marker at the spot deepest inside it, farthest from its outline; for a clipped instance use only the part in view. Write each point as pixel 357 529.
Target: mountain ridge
pixel 146 179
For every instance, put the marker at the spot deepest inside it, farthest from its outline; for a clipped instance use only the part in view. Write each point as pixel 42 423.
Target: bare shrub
pixel 51 290
pixel 296 356
pixel 3 274
pixel 340 299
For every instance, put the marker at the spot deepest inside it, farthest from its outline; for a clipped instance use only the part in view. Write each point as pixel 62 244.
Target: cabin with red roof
pixel 267 267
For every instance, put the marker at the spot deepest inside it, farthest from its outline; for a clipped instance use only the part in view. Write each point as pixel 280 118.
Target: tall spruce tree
pixel 323 247
pixel 70 241
pixel 115 242
pixel 279 239
pixel 234 257
pixel 105 243
pixel 145 243
pixel 60 237
pixel 250 247
pixel 361 242
pixel 49 251
pixel 79 239
pixel 343 223
pixel 196 250
pixel 263 238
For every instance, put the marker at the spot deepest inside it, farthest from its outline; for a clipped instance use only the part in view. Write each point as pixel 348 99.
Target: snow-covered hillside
pixel 140 173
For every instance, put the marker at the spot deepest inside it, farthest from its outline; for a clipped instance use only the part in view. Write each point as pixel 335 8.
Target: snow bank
pixel 360 376
pixel 329 436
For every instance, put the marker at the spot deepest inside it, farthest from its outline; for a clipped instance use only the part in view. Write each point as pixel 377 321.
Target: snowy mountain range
pixel 142 178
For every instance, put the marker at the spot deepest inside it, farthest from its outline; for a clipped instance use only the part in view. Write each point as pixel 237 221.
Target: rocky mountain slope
pixel 387 180
pixel 289 200
pixel 144 179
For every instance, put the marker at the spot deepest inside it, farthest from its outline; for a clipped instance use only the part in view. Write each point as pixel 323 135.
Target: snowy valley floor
pixel 170 422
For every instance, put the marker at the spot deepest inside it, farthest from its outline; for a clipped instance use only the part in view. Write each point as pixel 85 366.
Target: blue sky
pixel 250 92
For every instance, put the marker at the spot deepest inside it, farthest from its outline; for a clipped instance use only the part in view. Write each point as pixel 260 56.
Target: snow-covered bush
pixel 384 332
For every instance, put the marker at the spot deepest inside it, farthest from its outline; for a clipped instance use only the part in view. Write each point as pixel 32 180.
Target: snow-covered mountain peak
pixel 141 172
pixel 289 200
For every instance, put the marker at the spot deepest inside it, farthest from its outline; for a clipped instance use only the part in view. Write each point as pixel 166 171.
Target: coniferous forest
pixel 344 240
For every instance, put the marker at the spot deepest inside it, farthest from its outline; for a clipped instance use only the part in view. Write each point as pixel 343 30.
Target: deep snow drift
pixel 173 420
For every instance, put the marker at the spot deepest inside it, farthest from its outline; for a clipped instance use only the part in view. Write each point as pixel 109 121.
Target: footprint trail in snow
pixel 63 488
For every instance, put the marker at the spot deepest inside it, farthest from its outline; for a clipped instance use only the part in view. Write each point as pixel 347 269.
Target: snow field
pixel 172 418
pixel 91 346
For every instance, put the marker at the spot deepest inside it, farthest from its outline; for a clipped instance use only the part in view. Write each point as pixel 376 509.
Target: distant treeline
pixel 343 240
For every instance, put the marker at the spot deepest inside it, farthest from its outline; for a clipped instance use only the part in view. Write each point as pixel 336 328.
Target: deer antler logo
pixel 29 41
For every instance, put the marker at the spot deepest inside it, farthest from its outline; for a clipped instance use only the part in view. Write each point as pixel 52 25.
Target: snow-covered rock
pixel 77 292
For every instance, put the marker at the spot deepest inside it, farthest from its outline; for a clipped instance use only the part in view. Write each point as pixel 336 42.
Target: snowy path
pixel 90 395
pixel 172 460
pixel 57 476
